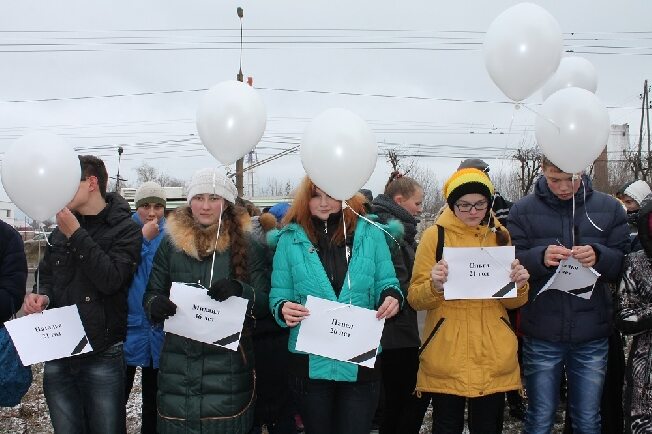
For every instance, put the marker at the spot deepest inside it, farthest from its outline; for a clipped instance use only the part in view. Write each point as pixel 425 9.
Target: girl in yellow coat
pixel 471 354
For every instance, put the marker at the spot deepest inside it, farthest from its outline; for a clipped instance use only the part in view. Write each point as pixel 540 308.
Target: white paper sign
pixel 479 272
pixel 203 319
pixel 573 278
pixel 54 334
pixel 340 331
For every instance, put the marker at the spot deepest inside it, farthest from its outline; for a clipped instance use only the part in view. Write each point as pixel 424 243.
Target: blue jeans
pixel 341 407
pixel 585 370
pixel 86 394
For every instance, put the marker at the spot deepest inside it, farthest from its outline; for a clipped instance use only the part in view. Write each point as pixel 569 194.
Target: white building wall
pixel 7 212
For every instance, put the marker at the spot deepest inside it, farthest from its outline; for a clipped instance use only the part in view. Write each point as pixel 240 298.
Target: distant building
pixel 176 197
pixel 8 212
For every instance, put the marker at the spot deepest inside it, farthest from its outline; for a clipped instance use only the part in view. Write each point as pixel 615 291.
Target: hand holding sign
pixel 519 274
pixel 554 254
pixel 439 275
pixel 389 308
pixel 585 255
pixel 34 303
pixel 293 313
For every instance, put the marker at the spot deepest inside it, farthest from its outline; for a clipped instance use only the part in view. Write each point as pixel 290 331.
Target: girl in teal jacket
pixel 310 259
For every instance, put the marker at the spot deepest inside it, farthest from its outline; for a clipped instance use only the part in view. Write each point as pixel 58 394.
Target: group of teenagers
pixel 118 268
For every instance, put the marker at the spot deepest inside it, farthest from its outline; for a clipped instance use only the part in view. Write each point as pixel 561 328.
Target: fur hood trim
pixel 198 241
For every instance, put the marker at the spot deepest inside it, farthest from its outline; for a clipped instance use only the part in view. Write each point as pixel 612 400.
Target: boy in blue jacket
pixel 144 340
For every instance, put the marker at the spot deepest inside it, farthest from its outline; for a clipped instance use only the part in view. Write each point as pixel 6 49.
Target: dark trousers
pixel 87 394
pixel 403 412
pixel 149 387
pixel 342 407
pixel 274 406
pixel 485 413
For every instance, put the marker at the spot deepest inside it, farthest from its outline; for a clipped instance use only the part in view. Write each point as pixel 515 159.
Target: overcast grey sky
pixel 303 55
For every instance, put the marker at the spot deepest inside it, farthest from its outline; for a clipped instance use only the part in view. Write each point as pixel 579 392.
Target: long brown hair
pixel 299 212
pixel 232 218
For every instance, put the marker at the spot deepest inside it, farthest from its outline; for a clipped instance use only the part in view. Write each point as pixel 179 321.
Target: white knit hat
pixel 150 192
pixel 211 181
pixel 637 190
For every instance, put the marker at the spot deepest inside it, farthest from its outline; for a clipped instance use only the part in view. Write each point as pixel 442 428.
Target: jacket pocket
pixel 506 322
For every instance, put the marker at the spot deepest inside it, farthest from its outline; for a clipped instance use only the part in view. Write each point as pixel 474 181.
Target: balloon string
pixel 38 275
pixel 547 119
pixel 346 205
pixel 574 205
pixel 219 225
pixel 587 211
pixel 347 251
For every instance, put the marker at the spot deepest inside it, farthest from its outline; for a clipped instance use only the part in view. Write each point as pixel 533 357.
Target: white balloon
pixel 572 129
pixel 40 173
pixel 339 152
pixel 231 120
pixel 522 49
pixel 573 71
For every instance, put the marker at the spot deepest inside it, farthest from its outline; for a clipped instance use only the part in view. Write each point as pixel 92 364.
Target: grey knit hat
pixel 211 181
pixel 474 163
pixel 150 192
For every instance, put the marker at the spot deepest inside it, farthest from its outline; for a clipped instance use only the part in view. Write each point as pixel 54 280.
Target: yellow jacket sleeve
pixel 421 294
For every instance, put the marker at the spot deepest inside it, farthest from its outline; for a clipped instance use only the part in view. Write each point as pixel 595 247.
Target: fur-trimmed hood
pixel 198 241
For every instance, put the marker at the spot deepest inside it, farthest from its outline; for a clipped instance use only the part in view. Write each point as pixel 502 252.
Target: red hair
pixel 299 212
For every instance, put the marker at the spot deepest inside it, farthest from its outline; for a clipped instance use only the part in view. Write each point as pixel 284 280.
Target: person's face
pixel 206 208
pixel 466 208
pixel 630 203
pixel 82 196
pixel 322 205
pixel 150 211
pixel 413 204
pixel 562 184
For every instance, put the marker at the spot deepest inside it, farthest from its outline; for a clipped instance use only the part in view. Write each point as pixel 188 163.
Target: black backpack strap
pixel 438 255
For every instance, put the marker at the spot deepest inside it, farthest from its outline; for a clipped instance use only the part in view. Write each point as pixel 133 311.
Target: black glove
pixel 224 288
pixel 161 308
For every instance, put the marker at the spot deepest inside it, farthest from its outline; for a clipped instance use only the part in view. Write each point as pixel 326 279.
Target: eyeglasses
pixel 466 207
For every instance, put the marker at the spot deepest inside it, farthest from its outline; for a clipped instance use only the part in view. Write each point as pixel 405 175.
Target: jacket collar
pixel 543 192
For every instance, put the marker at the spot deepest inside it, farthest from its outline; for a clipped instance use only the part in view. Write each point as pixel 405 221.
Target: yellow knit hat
pixel 467 181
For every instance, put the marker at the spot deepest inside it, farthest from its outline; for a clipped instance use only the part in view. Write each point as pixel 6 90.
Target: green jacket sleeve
pixel 282 283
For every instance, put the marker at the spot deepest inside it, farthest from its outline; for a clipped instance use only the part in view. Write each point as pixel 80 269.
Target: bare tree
pixel 433 198
pixel 529 161
pixel 275 187
pixel 146 173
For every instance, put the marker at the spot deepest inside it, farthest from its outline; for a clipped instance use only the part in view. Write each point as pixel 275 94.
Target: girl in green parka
pixel 205 388
pixel 332 396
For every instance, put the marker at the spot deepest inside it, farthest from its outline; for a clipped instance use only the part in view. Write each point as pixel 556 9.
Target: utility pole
pixel 645 112
pixel 239 165
pixel 117 176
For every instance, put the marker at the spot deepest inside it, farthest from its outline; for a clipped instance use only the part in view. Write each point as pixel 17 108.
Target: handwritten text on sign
pixel 340 331
pixel 53 334
pixel 203 319
pixel 479 272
